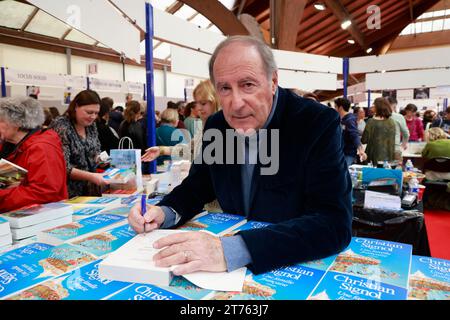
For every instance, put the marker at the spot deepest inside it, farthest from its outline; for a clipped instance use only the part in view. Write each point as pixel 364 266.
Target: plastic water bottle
pixel 414 186
pixel 386 165
pixel 354 177
pixel 409 165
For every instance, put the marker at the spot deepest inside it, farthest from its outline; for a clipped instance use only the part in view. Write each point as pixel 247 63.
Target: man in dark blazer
pixel 308 198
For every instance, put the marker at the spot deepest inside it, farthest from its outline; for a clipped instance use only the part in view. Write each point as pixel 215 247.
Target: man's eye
pixel 224 89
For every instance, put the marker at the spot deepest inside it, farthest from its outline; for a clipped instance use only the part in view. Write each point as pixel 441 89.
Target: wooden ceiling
pixel 319 32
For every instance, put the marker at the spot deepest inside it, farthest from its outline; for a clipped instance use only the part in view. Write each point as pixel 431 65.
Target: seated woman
pixel 37 150
pixel 79 137
pixel 379 133
pixel 167 133
pixel 438 146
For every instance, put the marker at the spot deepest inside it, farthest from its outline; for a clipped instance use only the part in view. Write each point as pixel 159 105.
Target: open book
pixel 116 175
pixel 133 262
pixel 10 174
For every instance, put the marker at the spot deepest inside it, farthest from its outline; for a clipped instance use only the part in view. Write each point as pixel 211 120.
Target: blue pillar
pixel 345 72
pixel 151 128
pixel 88 83
pixel 368 99
pixel 445 104
pixel 3 81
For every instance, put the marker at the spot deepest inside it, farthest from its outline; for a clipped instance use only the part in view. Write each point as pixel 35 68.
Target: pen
pixel 144 207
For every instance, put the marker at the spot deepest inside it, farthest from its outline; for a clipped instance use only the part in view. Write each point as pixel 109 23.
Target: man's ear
pixel 274 81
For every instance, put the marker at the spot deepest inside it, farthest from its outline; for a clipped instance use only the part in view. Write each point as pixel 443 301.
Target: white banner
pixel 34 78
pixel 78 82
pixel 107 85
pixel 134 87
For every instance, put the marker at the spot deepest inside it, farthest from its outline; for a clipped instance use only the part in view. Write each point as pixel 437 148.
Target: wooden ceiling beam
pixel 256 7
pixel 30 17
pixel 288 15
pixel 177 5
pixel 429 39
pixel 218 14
pixel 341 13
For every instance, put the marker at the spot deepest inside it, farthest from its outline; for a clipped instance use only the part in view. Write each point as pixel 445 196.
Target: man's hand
pixel 192 251
pixel 150 154
pixel 97 179
pixel 153 218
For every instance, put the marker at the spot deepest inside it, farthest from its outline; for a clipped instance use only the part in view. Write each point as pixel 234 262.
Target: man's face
pixel 245 93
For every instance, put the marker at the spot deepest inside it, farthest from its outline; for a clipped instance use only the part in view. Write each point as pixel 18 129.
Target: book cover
pixel 83 211
pixel 78 228
pixel 118 176
pixel 145 292
pixel 368 269
pixel 22 252
pixel 4 227
pixel 79 284
pixel 122 210
pixel 29 271
pixel 215 222
pixel 38 213
pixel 31 231
pixel 128 159
pixel 5 239
pixel 429 279
pixel 11 175
pixel 294 282
pixel 101 201
pixel 106 242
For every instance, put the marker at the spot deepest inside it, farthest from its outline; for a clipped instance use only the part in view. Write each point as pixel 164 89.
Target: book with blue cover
pixel 215 222
pixel 429 279
pixel 294 282
pixel 106 242
pixel 122 210
pixel 247 226
pixel 118 175
pixel 145 292
pixel 79 228
pixel 26 272
pixel 83 211
pixel 368 269
pixel 79 284
pixel 22 252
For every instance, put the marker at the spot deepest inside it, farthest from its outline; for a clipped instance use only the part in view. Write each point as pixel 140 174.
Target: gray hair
pixel 263 49
pixel 24 112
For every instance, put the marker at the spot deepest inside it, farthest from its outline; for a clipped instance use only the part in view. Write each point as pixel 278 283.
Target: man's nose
pixel 237 102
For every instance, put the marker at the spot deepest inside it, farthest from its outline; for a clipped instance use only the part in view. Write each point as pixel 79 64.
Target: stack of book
pixel 84 207
pixel 5 234
pixel 28 221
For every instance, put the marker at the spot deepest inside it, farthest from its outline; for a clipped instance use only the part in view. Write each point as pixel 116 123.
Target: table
pixel 406 226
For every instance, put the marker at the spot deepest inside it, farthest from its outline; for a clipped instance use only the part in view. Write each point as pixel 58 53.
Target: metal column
pixel 3 82
pixel 345 73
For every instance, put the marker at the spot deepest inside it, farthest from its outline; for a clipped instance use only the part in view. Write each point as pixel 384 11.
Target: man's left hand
pixel 191 251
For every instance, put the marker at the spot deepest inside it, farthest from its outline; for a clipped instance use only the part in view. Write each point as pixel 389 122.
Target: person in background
pixel 437 145
pixel 130 127
pixel 48 118
pixel 379 134
pixel 428 117
pixel 109 138
pixel 181 107
pixel 128 98
pixel 39 151
pixel 81 146
pixel 167 134
pixel 401 130
pixel 360 119
pixel 116 118
pixel 55 112
pixel 157 118
pixel 352 142
pixel 173 105
pixel 414 123
pixel 443 122
pixel 192 121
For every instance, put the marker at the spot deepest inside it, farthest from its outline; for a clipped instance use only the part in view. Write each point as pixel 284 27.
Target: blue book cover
pixel 85 211
pixel 29 271
pixel 145 292
pixel 429 279
pixel 93 200
pixel 183 287
pixel 294 282
pixel 381 260
pixel 120 210
pixel 341 286
pixel 83 226
pixel 80 284
pixel 214 222
pixel 22 252
pixel 107 241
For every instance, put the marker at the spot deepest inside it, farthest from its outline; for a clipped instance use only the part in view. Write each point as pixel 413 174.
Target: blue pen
pixel 143 206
